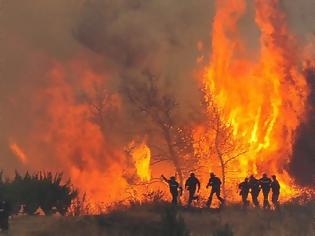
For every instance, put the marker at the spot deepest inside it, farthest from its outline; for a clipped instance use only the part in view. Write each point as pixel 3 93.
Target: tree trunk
pixel 222 174
pixel 173 155
pixel 220 156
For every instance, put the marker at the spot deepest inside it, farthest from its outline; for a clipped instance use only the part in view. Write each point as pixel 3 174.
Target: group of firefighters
pixel 249 185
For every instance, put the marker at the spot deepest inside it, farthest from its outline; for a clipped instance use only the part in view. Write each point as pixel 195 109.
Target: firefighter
pixel 192 184
pixel 215 183
pixel 265 184
pixel 254 189
pixel 244 187
pixel 174 188
pixel 275 187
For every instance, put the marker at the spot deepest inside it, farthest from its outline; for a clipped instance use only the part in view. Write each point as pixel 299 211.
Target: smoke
pixel 139 34
pixel 159 37
pixel 302 165
pixel 303 162
pixel 55 53
pixel 59 57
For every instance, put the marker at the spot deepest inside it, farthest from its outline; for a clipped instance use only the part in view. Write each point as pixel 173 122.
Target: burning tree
pixel 160 108
pixel 103 107
pixel 217 140
pixel 105 112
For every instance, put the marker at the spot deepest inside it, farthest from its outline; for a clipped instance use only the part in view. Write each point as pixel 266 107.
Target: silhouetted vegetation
pixel 149 219
pixel 224 231
pixel 172 223
pixel 43 189
pixel 164 220
pixel 80 206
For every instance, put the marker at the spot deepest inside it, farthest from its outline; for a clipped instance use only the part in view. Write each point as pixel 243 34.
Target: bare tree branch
pixel 159 161
pixel 160 108
pixel 234 157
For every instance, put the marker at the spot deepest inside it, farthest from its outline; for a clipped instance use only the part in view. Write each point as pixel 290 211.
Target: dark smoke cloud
pixel 141 33
pixel 302 165
pixel 156 36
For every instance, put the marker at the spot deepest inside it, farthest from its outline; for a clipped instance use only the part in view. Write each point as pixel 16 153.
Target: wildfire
pixel 18 151
pixel 263 99
pixel 141 156
pixel 254 104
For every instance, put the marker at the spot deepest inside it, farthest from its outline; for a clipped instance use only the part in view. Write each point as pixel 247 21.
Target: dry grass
pixel 293 220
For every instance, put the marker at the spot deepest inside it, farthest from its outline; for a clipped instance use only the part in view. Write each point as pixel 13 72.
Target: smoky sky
pixel 121 36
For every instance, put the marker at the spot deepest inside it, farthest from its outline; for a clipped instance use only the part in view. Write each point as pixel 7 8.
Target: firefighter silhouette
pixel 265 184
pixel 254 189
pixel 174 188
pixel 244 190
pixel 215 183
pixel 192 184
pixel 275 188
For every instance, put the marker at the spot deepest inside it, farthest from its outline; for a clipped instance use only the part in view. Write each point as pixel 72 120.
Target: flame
pixel 263 99
pixel 18 151
pixel 141 155
pixel 66 136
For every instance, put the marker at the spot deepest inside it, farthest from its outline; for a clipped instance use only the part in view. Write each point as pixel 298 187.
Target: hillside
pixel 293 220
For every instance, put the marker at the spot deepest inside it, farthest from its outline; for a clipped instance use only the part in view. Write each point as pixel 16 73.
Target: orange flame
pixel 18 151
pixel 67 138
pixel 263 101
pixel 141 155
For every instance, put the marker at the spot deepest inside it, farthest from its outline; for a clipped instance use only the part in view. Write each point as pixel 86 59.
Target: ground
pixel 160 219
